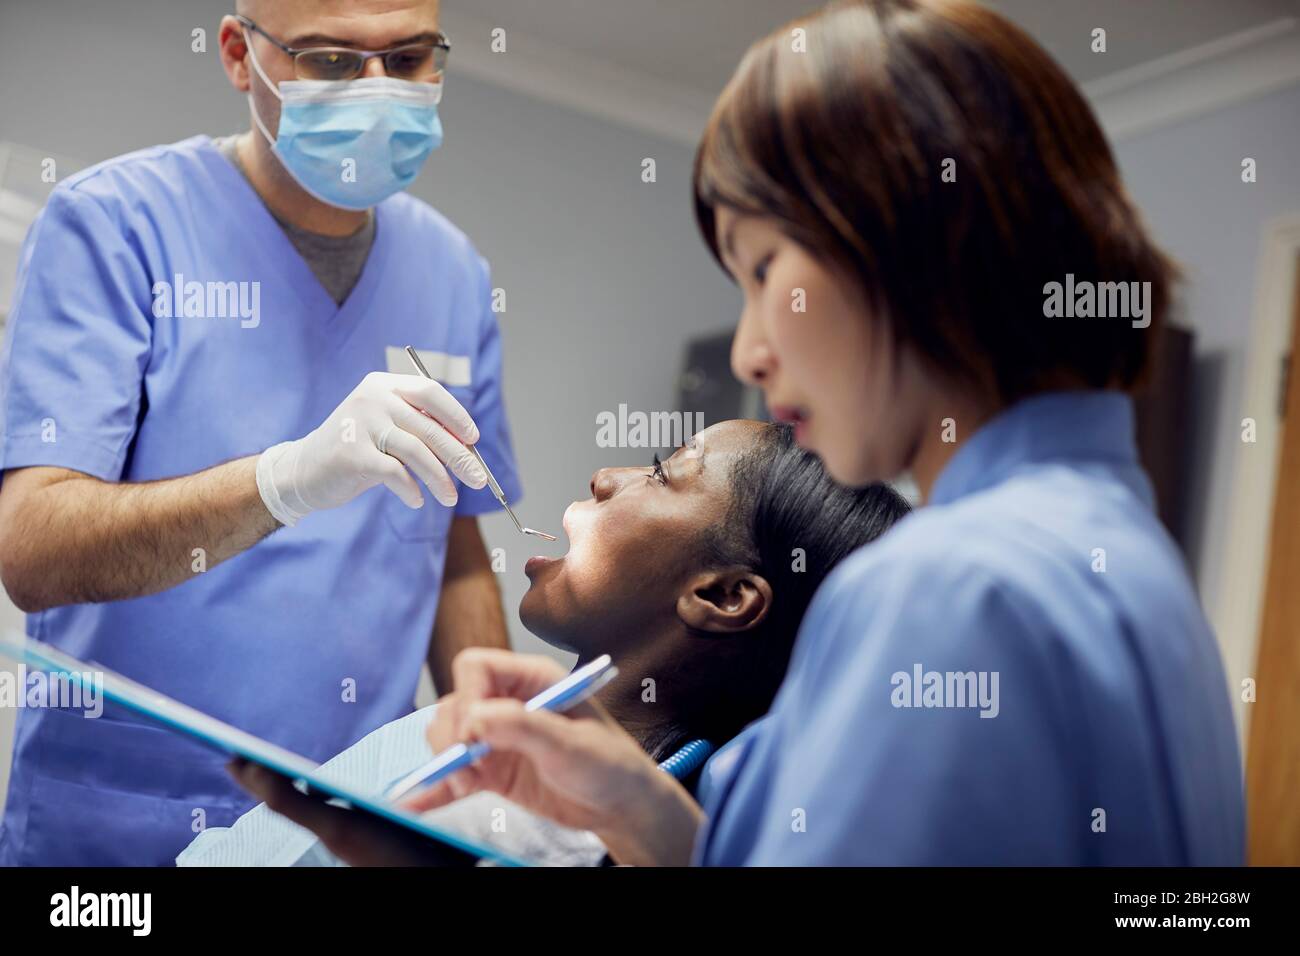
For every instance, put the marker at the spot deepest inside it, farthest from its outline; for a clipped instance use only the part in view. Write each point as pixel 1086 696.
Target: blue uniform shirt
pixel 117 366
pixel 1108 738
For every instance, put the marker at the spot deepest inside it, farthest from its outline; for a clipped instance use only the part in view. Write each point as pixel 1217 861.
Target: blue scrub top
pixel 316 635
pixel 1113 741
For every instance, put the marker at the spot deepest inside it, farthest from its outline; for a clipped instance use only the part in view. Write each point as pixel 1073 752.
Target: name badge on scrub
pixel 450 370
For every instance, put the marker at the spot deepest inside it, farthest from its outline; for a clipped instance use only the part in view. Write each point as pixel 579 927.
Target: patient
pixel 693 574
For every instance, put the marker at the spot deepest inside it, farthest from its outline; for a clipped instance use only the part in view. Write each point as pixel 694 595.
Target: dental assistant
pixel 203 384
pixel 1020 671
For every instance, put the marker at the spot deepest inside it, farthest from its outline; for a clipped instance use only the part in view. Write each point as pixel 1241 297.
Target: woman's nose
pixel 602 485
pixel 752 360
pixel 374 67
pixel 606 482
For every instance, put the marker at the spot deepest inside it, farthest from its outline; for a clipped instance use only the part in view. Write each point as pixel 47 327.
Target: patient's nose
pixel 607 481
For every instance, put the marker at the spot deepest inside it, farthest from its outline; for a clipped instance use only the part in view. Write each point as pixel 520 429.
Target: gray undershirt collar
pixel 336 261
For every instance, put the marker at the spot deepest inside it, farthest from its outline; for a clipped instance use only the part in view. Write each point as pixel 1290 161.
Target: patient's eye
pixel 658 471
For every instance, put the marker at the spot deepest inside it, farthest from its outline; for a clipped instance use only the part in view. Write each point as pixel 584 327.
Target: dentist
pixel 195 410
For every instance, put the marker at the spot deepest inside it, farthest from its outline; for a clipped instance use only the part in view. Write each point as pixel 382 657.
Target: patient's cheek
pixel 606 559
pixel 594 539
pixel 591 571
pixel 619 555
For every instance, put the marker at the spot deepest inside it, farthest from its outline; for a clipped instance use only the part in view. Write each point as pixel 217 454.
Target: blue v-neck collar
pixel 336 320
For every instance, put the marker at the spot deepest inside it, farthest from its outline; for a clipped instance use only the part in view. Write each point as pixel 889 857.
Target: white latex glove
pixel 389 423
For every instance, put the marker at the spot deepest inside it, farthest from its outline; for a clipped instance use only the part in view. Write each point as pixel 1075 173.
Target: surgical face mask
pixel 353 143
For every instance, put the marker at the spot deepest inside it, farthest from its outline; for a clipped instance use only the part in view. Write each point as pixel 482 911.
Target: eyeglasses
pixel 412 61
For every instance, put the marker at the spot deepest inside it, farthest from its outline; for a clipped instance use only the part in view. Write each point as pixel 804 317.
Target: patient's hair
pixel 845 147
pixel 789 522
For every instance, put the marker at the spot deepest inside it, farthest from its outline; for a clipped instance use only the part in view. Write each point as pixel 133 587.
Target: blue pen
pixel 559 697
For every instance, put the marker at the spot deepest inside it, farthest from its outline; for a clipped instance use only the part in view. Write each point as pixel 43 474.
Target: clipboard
pixel 228 739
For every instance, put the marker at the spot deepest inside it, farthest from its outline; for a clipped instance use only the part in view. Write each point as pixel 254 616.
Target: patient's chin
pixel 539 619
pixel 532 605
pixel 562 601
pixel 536 607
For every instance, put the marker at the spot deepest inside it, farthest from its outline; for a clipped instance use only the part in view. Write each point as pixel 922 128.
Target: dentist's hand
pixel 581 769
pixel 389 423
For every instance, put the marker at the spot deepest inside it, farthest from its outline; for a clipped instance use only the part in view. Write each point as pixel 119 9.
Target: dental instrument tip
pixel 540 534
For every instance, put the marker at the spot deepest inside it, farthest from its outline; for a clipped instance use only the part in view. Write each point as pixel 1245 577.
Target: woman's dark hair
pixel 843 134
pixel 791 524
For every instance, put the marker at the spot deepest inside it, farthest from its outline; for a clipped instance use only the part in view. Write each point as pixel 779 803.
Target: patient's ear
pixel 725 602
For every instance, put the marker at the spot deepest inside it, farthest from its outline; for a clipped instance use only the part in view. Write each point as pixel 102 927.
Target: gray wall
pixel 1187 179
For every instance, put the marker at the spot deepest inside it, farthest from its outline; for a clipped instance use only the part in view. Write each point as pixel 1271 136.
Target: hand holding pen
pixel 564 694
pixel 581 770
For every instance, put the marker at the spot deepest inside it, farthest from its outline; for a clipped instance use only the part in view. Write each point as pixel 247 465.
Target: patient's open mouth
pixel 539 561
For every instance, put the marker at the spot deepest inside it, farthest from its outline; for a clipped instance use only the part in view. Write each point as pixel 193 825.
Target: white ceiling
pixel 695 44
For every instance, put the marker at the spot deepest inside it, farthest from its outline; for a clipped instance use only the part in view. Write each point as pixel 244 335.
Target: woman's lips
pixel 798 417
pixel 536 563
pixel 788 413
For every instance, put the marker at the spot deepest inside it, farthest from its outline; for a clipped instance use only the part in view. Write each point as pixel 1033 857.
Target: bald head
pixel 368 24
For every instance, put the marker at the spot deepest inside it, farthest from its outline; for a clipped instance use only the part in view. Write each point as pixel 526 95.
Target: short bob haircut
pixel 845 145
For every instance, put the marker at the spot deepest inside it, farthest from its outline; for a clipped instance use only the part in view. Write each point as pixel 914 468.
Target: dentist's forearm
pixel 660 830
pixel 68 538
pixel 470 613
